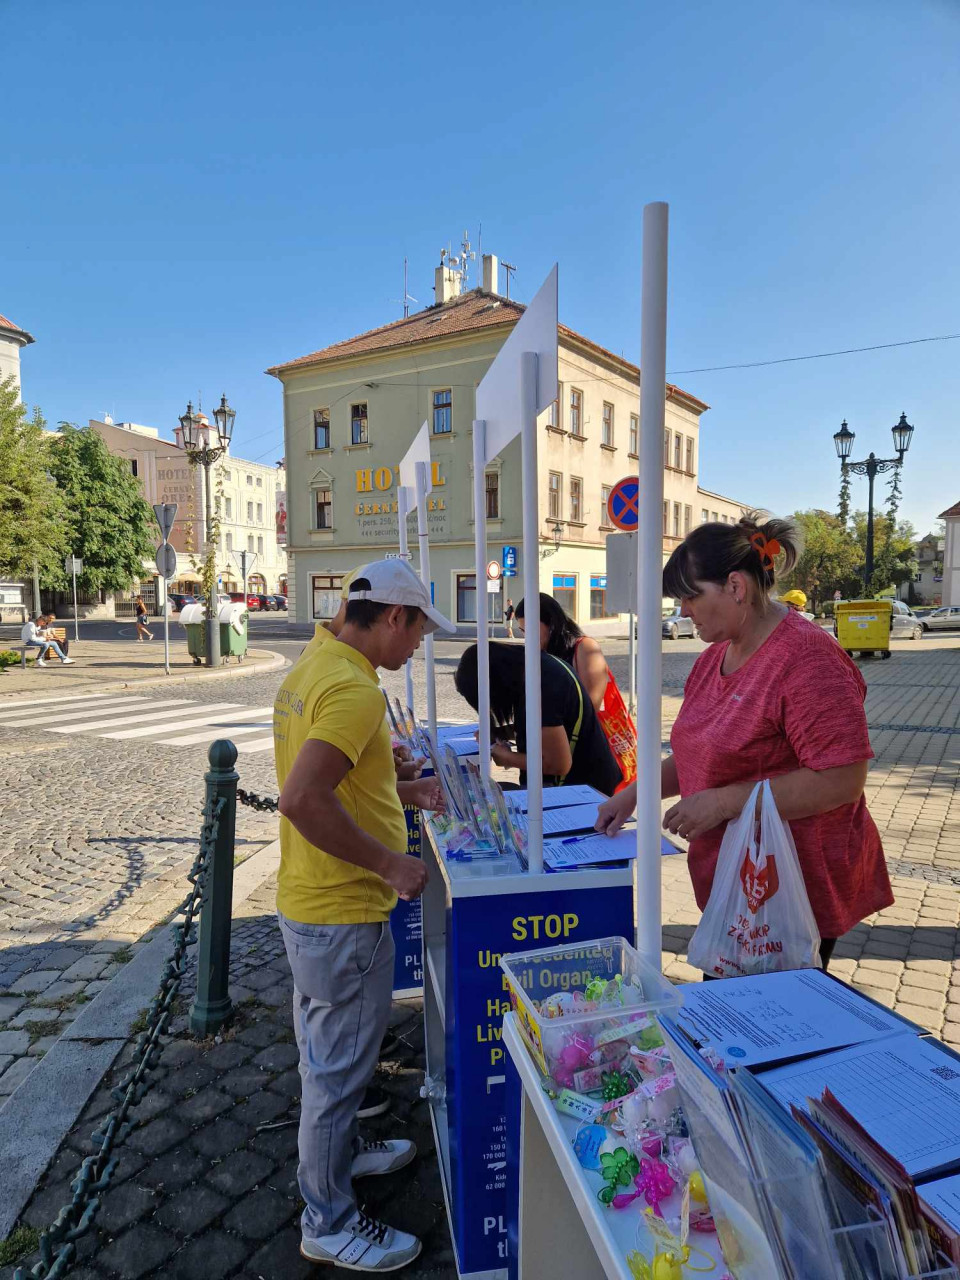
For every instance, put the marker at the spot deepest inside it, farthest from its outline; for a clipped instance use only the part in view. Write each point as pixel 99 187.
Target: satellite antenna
pixel 508 267
pixel 467 256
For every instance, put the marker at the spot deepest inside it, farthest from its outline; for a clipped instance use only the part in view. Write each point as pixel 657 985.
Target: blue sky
pixel 194 191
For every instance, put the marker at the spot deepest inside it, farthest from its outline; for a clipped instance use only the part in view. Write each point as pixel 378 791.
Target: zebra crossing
pixel 165 722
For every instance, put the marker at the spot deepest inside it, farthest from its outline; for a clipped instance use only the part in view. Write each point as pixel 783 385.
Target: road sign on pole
pixel 509 560
pixel 166 513
pixel 494 570
pixel 166 561
pixel 623 505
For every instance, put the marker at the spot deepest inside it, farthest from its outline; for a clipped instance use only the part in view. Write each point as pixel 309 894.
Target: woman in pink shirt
pixel 774 696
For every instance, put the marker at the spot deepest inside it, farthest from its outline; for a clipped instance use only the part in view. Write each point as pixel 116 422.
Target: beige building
pixel 352 410
pixel 249 506
pixel 12 340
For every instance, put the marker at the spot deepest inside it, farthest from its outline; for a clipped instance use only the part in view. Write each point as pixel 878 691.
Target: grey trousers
pixel 342 988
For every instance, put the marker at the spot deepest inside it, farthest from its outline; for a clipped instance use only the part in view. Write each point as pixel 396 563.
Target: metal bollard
pixel 212 1007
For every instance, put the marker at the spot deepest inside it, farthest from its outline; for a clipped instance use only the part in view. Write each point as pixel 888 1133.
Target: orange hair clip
pixel 766 548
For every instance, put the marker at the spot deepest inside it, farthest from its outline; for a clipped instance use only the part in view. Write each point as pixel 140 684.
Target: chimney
pixel 447 286
pixel 490 269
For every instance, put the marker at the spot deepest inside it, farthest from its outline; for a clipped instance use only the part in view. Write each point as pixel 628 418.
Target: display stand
pixel 472 913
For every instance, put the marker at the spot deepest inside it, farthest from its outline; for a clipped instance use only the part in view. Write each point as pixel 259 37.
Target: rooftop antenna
pixel 508 268
pixel 467 256
pixel 407 296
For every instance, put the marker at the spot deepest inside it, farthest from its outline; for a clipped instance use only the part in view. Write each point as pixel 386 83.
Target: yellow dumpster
pixel 864 625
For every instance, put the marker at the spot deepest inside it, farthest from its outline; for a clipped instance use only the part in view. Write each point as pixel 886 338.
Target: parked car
pixel 251 600
pixel 676 625
pixel 179 600
pixel 279 602
pixel 222 599
pixel 267 603
pixel 944 619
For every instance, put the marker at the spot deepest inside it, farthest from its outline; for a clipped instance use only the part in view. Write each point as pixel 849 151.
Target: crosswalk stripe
pixel 14 707
pixel 191 720
pixel 258 744
pixel 121 718
pixel 116 707
pixel 209 734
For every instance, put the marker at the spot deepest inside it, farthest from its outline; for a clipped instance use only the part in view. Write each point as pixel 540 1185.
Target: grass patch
pixel 39 1029
pixel 20 1242
pixel 123 956
pixel 140 1022
pixel 62 1002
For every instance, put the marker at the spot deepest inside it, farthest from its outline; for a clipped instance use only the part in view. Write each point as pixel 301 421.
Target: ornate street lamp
pixel 195 434
pixel 871 468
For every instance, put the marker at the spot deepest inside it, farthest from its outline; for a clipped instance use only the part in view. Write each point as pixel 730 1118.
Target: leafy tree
pixel 843 506
pixel 830 559
pixel 894 557
pixel 32 512
pixel 109 520
pixel 895 494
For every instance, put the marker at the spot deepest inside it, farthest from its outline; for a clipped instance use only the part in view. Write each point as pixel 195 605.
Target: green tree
pixel 830 559
pixel 32 512
pixel 109 520
pixel 894 558
pixel 843 507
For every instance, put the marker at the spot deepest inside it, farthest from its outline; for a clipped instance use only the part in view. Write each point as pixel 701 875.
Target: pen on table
pixel 577 839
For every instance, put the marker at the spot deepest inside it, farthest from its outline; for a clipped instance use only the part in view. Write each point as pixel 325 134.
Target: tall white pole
pixel 76 612
pixel 653 371
pixel 531 607
pixel 632 663
pixel 483 629
pixel 405 552
pixel 425 576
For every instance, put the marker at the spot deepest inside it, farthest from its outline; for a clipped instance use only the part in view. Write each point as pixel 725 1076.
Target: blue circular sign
pixel 623 505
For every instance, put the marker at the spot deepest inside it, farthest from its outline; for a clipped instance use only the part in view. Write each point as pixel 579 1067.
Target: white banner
pixel 419 451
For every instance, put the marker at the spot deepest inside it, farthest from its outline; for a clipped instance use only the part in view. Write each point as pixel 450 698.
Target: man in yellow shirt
pixel 343 863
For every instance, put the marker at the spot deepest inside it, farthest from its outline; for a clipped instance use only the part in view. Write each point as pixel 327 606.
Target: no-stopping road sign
pixel 623 505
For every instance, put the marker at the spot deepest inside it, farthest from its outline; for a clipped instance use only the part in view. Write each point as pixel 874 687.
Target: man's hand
pixel 409 770
pixel 407 875
pixel 425 793
pixel 502 754
pixel 696 814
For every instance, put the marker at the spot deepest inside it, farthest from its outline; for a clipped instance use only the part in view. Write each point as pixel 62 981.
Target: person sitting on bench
pixel 49 632
pixel 32 637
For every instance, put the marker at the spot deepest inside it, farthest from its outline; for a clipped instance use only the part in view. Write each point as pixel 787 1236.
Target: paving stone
pixel 219 1138
pixel 14 1041
pixel 928 981
pixel 288 1084
pixel 36 1014
pixel 192 1211
pixel 280 1259
pixel 241 1082
pixel 41 1046
pixel 260 1214
pixel 203 1106
pixel 10 1006
pixel 45 1206
pixel 261 1108
pixel 190 1079
pixel 174 1170
pixel 138 1251
pixel 239 1172
pixel 122 1206
pixel 62 990
pixel 63 957
pixel 923 998
pixel 260 1034
pixel 277 1057
pixel 211 1257
pixel 158 1136
pixel 85 969
pixel 230 1054
pixel 39 980
pixel 929 1019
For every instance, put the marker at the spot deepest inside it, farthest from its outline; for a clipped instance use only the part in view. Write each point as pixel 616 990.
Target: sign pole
pixel 424 541
pixel 632 707
pixel 402 512
pixel 76 615
pixel 531 608
pixel 166 629
pixel 483 627
pixel 653 363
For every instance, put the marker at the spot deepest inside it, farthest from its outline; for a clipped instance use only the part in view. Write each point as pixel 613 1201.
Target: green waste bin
pixel 233 620
pixel 191 619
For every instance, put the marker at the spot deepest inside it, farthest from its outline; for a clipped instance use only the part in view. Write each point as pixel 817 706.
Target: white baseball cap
pixel 395 582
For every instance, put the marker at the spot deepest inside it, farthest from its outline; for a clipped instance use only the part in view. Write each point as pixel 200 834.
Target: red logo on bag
pixel 759 886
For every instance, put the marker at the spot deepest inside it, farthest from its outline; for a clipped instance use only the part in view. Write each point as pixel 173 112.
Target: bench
pixel 59 634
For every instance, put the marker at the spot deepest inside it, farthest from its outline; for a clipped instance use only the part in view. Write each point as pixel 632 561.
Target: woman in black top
pixel 142 616
pixel 575 748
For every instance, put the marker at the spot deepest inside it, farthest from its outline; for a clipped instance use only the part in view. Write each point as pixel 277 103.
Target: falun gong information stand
pixel 472 913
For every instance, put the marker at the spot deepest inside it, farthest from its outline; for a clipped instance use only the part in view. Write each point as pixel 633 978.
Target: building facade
pixel 12 340
pixel 926 587
pixel 352 410
pixel 248 505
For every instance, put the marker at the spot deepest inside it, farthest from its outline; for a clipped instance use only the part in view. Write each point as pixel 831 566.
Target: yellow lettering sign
pixel 383 478
pixel 438 482
pixel 364 480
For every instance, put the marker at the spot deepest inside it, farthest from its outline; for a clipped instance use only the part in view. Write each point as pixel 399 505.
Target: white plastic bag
pixel 758 918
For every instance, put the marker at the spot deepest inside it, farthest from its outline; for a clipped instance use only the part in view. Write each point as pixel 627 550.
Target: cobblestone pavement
pixel 204 1190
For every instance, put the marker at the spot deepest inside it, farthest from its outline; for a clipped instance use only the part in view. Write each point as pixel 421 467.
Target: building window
pixel 226 474
pixel 260 546
pixel 249 513
pixel 553 501
pixel 690 454
pixel 358 424
pixel 259 513
pixel 666 450
pixel 598 596
pixel 321 428
pixel 678 451
pixel 134 467
pixel 229 541
pixel 250 543
pixel 326 595
pixel 666 508
pixel 634 433
pixel 228 508
pixel 576 412
pixel 259 482
pixel 676 519
pixel 553 415
pixel 492 487
pixel 442 412
pixel 249 479
pixel 604 508
pixel 606 431
pixel 324 509
pixel 565 593
pixel 467 600
pixel 704 515
pixel 576 499
pixel 687 520
pixel 713 516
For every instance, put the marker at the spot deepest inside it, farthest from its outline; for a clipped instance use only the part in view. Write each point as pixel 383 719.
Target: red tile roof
pixel 951 513
pixel 14 328
pixel 469 313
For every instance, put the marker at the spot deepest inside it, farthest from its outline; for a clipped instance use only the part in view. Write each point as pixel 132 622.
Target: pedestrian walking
pixel 31 635
pixel 142 616
pixel 771 698
pixel 509 614
pixel 343 864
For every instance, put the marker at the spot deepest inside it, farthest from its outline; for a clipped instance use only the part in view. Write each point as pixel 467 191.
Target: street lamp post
pixel 871 468
pixel 195 434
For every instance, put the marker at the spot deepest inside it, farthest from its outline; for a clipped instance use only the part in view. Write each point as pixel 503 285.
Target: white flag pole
pixel 402 504
pixel 483 630
pixel 653 366
pixel 531 607
pixel 425 576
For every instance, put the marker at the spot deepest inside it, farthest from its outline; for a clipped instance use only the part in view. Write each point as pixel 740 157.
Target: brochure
pixel 553 797
pixel 583 851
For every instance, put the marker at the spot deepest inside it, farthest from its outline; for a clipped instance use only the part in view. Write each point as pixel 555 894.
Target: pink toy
pixel 653 1182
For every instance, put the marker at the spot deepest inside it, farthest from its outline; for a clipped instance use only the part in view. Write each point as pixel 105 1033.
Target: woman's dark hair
pixel 564 632
pixel 507 684
pixel 713 551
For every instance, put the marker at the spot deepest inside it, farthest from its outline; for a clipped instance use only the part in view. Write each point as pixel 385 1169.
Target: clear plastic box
pixel 588 989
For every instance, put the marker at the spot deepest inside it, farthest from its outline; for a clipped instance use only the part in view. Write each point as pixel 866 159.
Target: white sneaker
pixel 375 1158
pixel 364 1245
pixel 68 662
pixel 41 663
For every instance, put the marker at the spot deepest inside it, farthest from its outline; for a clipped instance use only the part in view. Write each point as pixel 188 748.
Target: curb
pixel 276 661
pixel 39 1114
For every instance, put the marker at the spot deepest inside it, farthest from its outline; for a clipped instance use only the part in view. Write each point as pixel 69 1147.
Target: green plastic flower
pixel 618 1169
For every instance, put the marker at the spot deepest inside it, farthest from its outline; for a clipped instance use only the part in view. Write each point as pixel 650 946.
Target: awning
pixel 187 575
